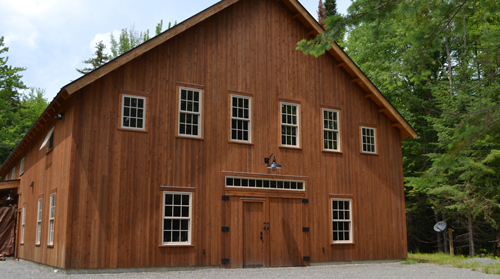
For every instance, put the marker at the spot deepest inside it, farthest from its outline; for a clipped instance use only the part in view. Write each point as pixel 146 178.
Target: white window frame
pixel 190 218
pixel 6 176
pixel 23 222
pixel 123 112
pixel 39 222
pixel 14 173
pixel 374 139
pixel 199 113
pixel 49 134
pixel 332 220
pixel 52 209
pixel 249 119
pixel 297 145
pixel 325 129
pixel 21 171
pixel 254 183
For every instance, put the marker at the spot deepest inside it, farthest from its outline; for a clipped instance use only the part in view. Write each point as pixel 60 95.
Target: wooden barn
pixel 162 157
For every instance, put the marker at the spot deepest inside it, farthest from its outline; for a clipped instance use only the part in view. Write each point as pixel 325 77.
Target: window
pixel 257 183
pixel 133 112
pixel 190 112
pixel 241 115
pixel 48 139
pixel 21 171
pixel 39 222
pixel 289 125
pixel 7 176
pixel 50 240
pixel 14 173
pixel 177 218
pixel 23 220
pixel 331 135
pixel 341 221
pixel 368 140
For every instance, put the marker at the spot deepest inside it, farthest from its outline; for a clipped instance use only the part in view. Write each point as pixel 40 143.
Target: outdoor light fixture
pixel 59 116
pixel 9 198
pixel 273 165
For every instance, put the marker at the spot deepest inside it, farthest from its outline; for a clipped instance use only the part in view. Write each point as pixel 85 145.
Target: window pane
pixel 176 224
pixel 185 200
pixel 185 211
pixel 167 224
pixel 175 236
pixel 184 236
pixel 140 103
pixel 183 94
pixel 127 101
pixel 184 224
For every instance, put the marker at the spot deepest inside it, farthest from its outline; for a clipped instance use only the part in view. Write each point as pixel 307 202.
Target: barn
pixel 214 144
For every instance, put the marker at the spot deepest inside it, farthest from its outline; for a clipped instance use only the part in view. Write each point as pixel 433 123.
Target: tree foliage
pixel 438 64
pixel 100 59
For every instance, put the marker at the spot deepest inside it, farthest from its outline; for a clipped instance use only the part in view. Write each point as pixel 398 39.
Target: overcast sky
pixel 51 38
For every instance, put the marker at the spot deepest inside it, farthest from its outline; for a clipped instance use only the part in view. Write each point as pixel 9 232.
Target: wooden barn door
pixel 286 232
pixel 253 234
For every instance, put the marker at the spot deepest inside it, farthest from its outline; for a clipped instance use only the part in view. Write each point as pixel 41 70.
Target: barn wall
pixel 116 195
pixel 48 172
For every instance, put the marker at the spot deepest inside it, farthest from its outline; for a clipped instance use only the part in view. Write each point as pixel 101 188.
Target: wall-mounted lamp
pixel 32 183
pixel 273 165
pixel 9 198
pixel 59 116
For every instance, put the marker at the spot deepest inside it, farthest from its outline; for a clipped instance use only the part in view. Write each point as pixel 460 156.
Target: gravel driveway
pixel 22 270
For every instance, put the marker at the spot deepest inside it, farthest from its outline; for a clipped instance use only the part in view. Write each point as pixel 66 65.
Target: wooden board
pixel 253 238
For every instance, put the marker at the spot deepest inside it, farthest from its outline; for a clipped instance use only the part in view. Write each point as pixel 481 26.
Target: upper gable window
pixel 368 140
pixel 21 171
pixel 14 173
pixel 190 103
pixel 331 133
pixel 133 112
pixel 49 140
pixel 290 124
pixel 241 116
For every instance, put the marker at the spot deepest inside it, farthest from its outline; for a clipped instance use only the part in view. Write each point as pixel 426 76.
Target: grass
pixel 459 261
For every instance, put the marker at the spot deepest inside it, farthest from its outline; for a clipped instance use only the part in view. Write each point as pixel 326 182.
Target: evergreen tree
pixel 100 59
pixel 321 13
pixel 330 8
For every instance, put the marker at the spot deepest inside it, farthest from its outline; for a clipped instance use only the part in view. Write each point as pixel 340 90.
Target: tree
pixel 100 59
pixel 437 62
pixel 330 8
pixel 321 13
pixel 10 103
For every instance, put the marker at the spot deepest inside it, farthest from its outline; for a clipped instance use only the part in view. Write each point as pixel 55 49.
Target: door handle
pixel 261 235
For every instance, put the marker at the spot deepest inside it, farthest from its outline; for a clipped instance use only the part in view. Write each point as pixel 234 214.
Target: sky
pixel 51 38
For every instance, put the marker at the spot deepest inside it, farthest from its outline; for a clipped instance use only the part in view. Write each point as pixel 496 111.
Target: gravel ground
pixel 486 261
pixel 24 270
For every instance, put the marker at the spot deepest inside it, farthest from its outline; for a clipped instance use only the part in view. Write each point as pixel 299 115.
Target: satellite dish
pixel 440 226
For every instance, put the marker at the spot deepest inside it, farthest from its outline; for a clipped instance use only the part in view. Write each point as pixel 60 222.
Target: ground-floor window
pixel 341 220
pixel 177 212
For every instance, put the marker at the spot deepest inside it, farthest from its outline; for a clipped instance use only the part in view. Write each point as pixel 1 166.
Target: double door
pixel 271 232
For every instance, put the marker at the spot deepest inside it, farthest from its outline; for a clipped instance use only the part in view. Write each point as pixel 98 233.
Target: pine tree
pixel 321 13
pixel 330 8
pixel 100 59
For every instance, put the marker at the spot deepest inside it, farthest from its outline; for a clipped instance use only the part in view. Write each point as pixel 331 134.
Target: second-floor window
pixel 290 125
pixel 241 115
pixel 14 173
pixel 39 222
pixel 190 104
pixel 331 135
pixel 21 171
pixel 368 140
pixel 133 112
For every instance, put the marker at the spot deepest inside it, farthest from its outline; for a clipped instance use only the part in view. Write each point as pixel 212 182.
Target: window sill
pixel 342 243
pixel 188 137
pixel 49 151
pixel 176 246
pixel 291 147
pixel 333 152
pixel 50 246
pixel 241 142
pixel 37 245
pixel 132 130
pixel 366 153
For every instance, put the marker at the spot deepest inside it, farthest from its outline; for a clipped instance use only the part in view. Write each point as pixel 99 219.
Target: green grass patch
pixel 459 261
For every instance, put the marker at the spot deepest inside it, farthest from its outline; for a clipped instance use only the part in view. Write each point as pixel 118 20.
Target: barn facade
pixel 164 156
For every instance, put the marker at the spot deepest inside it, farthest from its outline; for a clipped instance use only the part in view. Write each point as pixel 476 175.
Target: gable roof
pixel 300 13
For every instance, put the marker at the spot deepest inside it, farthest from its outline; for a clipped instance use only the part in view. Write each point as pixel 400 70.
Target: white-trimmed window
pixel 241 117
pixel 50 240
pixel 260 183
pixel 190 103
pixel 133 112
pixel 177 212
pixel 368 140
pixel 289 124
pixel 48 139
pixel 23 221
pixel 21 171
pixel 14 173
pixel 7 176
pixel 341 220
pixel 331 134
pixel 39 222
